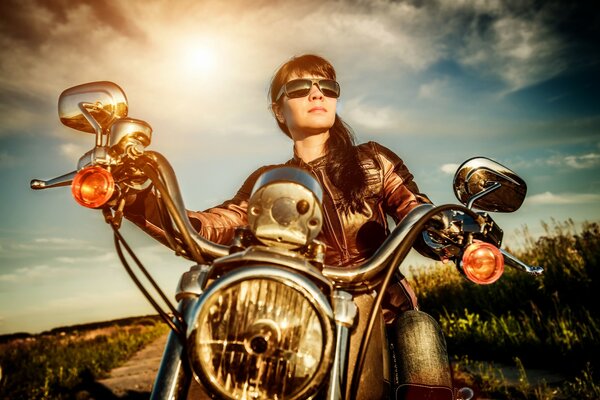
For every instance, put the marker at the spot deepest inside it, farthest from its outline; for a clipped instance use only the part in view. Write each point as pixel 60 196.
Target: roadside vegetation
pixel 548 323
pixel 59 363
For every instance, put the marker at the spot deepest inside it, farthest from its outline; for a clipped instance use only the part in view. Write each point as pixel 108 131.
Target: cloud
pixel 25 274
pixel 46 47
pixel 549 198
pixel 432 90
pixel 573 161
pixel 44 245
pixel 59 241
pixel 585 161
pixel 109 259
pixel 371 117
pixel 521 51
pixel 73 150
pixel 449 169
pixel 8 160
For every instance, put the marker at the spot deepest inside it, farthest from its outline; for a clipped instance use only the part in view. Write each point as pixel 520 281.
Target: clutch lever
pixel 63 180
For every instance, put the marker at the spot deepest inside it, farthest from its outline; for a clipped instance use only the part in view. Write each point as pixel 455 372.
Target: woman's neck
pixel 311 147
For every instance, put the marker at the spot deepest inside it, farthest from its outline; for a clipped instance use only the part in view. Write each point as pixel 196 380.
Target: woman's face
pixel 309 115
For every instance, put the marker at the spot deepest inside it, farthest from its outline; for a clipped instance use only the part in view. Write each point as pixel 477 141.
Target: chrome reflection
pixel 92 107
pixel 487 185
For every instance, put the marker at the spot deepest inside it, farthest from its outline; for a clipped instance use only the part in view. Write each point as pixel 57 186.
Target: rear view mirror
pixel 486 185
pixel 92 107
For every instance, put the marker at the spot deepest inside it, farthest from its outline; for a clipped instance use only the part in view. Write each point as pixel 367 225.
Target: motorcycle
pixel 264 317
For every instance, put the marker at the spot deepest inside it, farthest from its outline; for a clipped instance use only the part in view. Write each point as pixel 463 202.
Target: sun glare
pixel 199 59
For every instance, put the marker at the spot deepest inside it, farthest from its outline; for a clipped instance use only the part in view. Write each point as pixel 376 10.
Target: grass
pixel 55 364
pixel 548 322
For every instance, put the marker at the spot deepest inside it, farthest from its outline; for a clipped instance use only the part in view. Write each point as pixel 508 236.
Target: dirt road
pixel 133 380
pixel 135 377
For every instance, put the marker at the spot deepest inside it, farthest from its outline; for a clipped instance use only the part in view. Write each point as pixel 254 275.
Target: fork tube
pixel 344 311
pixel 174 376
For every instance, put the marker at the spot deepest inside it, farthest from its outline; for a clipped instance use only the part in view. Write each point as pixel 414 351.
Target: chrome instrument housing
pixel 284 209
pixel 129 133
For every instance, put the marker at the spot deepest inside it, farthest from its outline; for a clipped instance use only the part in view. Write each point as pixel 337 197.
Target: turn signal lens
pixel 93 187
pixel 482 263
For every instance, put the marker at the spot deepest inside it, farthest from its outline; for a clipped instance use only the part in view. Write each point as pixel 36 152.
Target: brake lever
pixel 63 180
pixel 514 262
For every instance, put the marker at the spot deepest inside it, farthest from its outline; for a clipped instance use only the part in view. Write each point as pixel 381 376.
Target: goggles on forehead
pixel 297 88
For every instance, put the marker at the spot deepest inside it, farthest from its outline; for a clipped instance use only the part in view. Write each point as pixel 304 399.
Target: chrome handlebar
pixel 375 265
pixel 341 277
pixel 168 177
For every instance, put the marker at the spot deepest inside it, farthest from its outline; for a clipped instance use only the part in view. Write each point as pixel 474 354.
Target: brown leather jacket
pixel 350 237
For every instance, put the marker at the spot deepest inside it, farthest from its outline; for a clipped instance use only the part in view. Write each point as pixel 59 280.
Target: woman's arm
pixel 216 224
pixel 401 193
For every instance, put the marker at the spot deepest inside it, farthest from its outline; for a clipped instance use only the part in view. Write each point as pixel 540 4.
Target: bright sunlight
pixel 199 59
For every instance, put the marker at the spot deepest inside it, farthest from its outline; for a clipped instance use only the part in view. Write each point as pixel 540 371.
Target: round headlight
pixel 262 333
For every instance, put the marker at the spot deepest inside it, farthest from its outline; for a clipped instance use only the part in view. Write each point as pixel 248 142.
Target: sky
pixel 437 82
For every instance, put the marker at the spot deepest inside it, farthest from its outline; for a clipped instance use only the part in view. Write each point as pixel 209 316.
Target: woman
pixel 362 184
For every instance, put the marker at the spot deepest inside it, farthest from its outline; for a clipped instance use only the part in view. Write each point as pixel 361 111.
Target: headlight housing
pixel 262 333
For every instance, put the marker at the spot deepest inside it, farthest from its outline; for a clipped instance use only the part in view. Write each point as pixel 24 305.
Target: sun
pixel 199 59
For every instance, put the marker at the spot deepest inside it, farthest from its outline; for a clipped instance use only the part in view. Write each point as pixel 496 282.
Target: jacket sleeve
pixel 401 194
pixel 216 224
pixel 400 191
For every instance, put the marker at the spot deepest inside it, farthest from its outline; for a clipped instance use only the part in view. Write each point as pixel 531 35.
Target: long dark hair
pixel 343 166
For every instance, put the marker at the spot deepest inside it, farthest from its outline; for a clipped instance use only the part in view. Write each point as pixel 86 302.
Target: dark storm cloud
pixel 29 22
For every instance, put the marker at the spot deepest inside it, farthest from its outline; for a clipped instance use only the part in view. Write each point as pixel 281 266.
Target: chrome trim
pixel 304 285
pixel 192 282
pixel 97 155
pixel 351 277
pixel 345 311
pixel 514 262
pixel 168 175
pixel 270 255
pixel 129 135
pixel 289 174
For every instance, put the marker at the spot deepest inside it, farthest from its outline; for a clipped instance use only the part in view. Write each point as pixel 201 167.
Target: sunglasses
pixel 301 87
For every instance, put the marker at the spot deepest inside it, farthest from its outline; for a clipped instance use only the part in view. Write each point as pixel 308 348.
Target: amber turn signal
pixel 482 263
pixel 93 187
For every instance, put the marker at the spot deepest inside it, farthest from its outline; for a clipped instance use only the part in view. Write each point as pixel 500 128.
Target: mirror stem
pixel 82 106
pixel 487 191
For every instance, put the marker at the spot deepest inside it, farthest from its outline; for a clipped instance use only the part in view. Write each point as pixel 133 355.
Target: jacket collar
pixel 314 164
